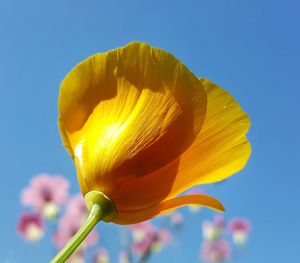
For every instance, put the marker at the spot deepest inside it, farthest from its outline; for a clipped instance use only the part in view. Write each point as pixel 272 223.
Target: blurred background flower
pixel 240 229
pixel 46 194
pixel 31 226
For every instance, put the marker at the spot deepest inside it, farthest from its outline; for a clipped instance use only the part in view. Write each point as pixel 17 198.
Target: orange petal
pixel 142 192
pixel 128 112
pixel 167 206
pixel 219 150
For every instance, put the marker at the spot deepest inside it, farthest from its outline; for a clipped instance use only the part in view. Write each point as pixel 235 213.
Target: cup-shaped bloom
pixel 141 128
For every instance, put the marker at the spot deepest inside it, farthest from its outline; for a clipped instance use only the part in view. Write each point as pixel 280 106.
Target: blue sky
pixel 250 48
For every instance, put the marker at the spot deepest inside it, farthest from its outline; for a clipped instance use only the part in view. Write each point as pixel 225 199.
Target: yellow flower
pixel 141 129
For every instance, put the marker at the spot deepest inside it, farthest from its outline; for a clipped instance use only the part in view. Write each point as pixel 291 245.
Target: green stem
pixel 96 214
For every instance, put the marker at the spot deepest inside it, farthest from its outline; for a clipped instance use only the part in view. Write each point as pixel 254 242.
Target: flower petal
pixel 167 206
pixel 128 112
pixel 219 150
pixel 149 190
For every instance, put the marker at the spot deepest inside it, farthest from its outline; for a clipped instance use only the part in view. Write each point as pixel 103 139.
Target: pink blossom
pixel 101 256
pixel 215 251
pixel 239 228
pixel 45 193
pixel 31 226
pixel 70 222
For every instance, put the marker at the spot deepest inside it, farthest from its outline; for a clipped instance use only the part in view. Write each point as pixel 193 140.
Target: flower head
pixel 31 226
pixel 239 228
pixel 46 193
pixel 136 118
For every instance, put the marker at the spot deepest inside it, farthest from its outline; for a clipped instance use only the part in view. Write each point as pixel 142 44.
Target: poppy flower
pixel 141 129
